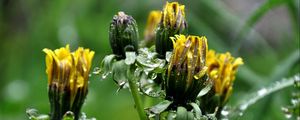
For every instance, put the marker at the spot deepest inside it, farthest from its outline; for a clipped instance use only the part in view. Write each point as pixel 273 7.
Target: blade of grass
pixel 294 13
pixel 280 71
pixel 258 14
pixel 283 68
pixel 261 93
pixel 254 18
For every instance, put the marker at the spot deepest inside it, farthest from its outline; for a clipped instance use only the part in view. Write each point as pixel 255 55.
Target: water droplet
pixel 69 115
pixel 149 87
pixel 137 72
pixel 106 66
pixel 43 117
pixel 104 75
pixel 153 76
pixel 262 92
pixel 288 116
pixel 130 58
pixel 284 109
pixel 168 56
pixel 83 116
pixel 295 101
pixel 297 78
pixel 241 114
pixel 31 112
pixel 148 59
pixel 243 107
pixel 96 70
pixel 224 112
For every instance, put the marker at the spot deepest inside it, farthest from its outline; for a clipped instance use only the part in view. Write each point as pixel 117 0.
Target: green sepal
pixel 159 108
pixel 181 113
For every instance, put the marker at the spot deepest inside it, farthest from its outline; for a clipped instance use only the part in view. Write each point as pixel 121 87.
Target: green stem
pixel 136 97
pixel 148 101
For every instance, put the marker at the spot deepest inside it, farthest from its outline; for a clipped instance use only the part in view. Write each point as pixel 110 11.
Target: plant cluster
pixel 191 81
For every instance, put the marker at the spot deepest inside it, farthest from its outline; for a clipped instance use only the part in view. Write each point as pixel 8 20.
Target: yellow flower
pixel 222 69
pixel 172 23
pixel 152 23
pixel 68 75
pixel 186 72
pixel 173 15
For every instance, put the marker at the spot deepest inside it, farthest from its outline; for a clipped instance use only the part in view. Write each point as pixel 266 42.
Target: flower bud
pixel 186 73
pixel 68 75
pixel 152 24
pixel 221 70
pixel 123 34
pixel 172 22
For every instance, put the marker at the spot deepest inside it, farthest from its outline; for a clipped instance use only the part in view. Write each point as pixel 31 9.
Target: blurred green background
pixel 265 33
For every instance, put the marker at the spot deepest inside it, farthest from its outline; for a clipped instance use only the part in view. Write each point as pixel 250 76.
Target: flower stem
pixel 136 96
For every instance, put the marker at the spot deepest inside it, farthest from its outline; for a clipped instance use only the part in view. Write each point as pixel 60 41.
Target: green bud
pixel 172 22
pixel 123 34
pixel 186 73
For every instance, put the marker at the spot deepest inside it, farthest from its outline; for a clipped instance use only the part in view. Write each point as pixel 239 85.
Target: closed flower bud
pixel 123 34
pixel 221 70
pixel 186 73
pixel 172 22
pixel 68 75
